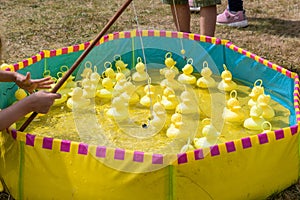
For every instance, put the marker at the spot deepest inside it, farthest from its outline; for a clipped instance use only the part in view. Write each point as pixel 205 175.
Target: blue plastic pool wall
pixel 276 84
pixel 152 51
pixel 37 69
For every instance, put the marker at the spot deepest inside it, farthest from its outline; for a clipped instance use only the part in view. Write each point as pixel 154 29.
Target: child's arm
pixel 7 76
pixel 25 82
pixel 39 102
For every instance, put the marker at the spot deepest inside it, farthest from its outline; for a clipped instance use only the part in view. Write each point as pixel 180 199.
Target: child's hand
pixel 41 101
pixel 30 85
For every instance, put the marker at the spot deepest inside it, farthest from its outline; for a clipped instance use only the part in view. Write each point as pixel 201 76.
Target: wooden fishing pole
pixel 79 60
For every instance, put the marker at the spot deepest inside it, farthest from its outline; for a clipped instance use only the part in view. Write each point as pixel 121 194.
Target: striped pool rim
pixel 84 149
pixel 138 156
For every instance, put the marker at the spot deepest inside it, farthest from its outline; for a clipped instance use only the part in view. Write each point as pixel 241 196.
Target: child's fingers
pixel 47 80
pixel 28 76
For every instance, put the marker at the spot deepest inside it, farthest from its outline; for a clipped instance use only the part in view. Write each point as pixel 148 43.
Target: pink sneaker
pixel 237 19
pixel 193 8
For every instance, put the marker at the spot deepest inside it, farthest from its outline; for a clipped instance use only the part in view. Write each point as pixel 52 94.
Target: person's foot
pixel 237 19
pixel 193 7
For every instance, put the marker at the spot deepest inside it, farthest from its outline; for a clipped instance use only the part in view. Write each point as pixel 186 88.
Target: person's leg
pixel 235 5
pixel 181 14
pixel 182 17
pixel 208 17
pixel 208 14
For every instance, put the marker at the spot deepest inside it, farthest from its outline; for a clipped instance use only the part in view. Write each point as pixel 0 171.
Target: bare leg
pixel 208 16
pixel 182 17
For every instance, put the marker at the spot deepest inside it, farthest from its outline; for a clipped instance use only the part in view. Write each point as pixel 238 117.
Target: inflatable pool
pixel 254 166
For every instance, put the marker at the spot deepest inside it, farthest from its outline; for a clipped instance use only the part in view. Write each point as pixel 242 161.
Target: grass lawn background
pixel 29 26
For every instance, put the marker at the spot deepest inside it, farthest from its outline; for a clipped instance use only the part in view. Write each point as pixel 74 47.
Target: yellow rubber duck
pixel 120 82
pixel 158 116
pixel 186 77
pixel 140 74
pixel 256 91
pixel 47 73
pixel 69 83
pixel 20 94
pixel 87 69
pixel 210 137
pixel 106 91
pixel 86 81
pixel 232 112
pixel 169 99
pixel 206 81
pixel 148 98
pixel 37 117
pixel 64 92
pixel 121 65
pixel 227 84
pixel 129 93
pixel 256 120
pixel 188 104
pixel 89 92
pixel 95 79
pixel 170 80
pixel 175 129
pixel 109 72
pixel 119 88
pixel 263 101
pixel 267 127
pixel 187 147
pixel 118 110
pixel 77 101
pixel 169 63
pixel 89 88
pixel 120 75
pixel 63 99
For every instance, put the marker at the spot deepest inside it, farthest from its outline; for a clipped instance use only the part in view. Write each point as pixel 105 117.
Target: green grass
pixel 33 25
pixel 29 26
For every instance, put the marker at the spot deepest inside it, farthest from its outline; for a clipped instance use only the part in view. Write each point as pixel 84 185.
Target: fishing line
pixel 144 56
pixel 178 27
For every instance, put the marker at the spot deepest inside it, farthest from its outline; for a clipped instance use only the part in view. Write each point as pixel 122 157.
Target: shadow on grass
pixel 291 193
pixel 275 26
